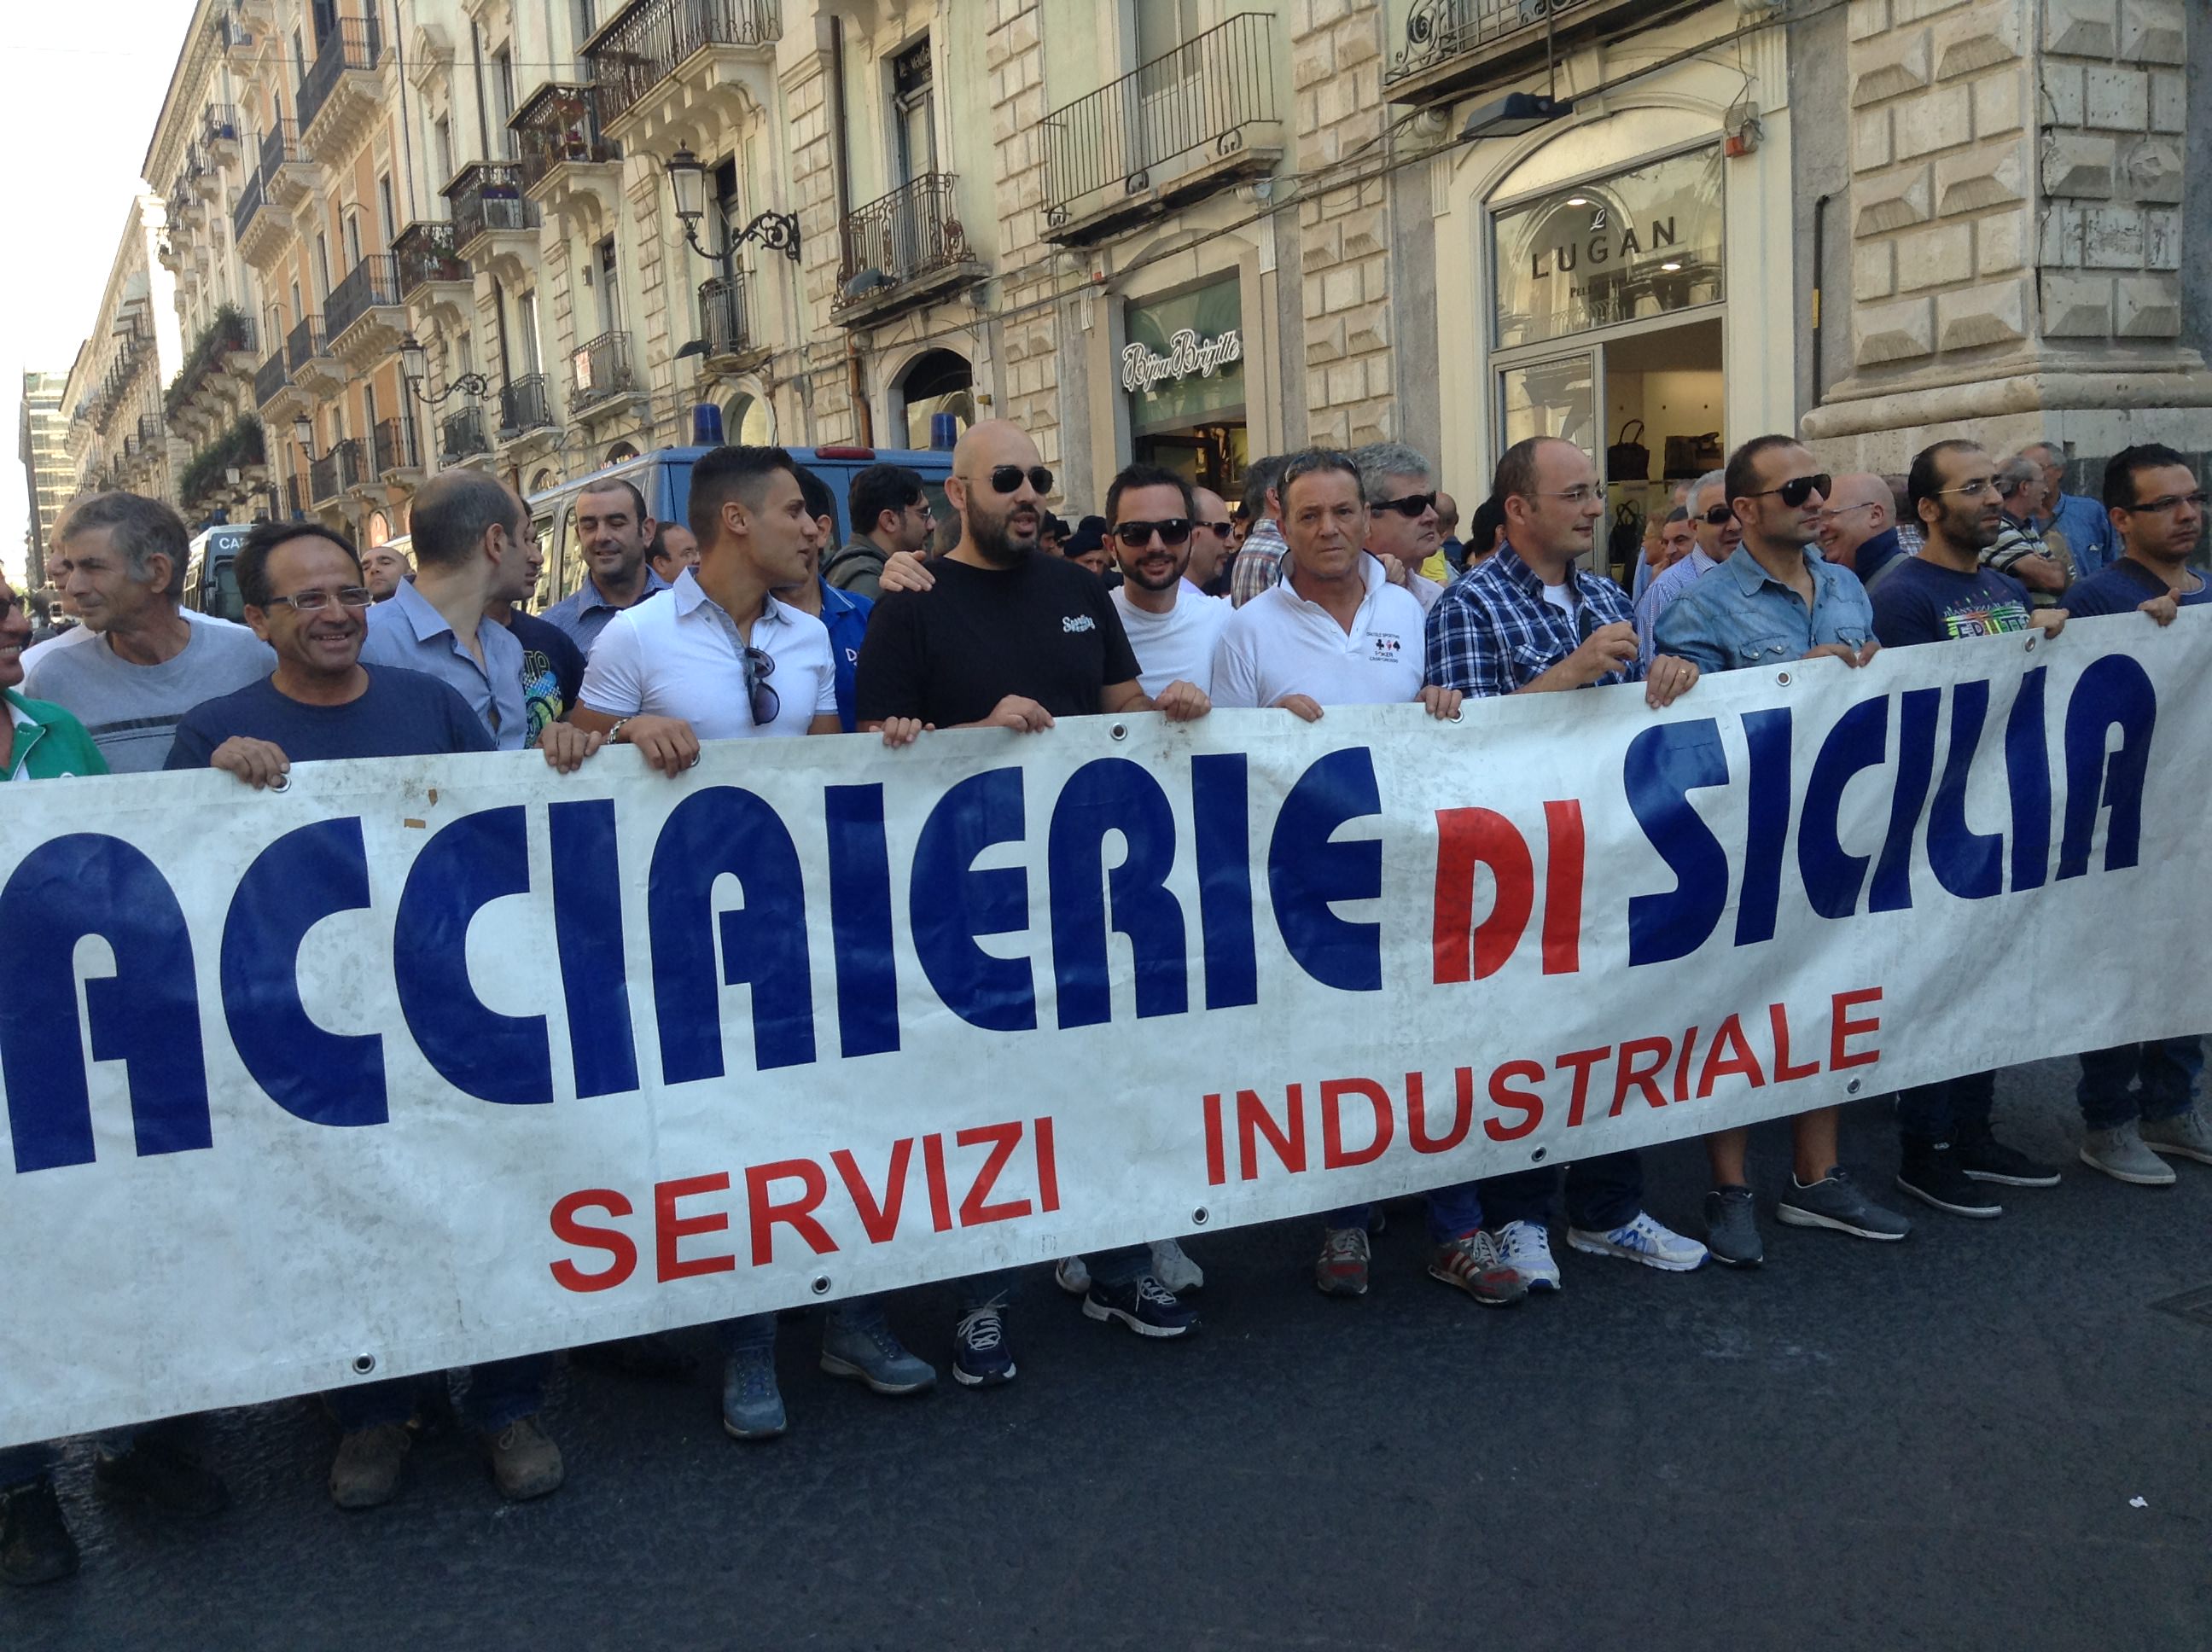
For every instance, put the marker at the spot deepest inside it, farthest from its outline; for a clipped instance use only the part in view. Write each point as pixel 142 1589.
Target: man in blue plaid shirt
pixel 1528 621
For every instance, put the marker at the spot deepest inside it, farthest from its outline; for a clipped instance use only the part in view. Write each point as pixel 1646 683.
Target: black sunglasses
pixel 767 704
pixel 1412 505
pixel 1799 488
pixel 1137 535
pixel 1005 478
pixel 1221 528
pixel 1719 516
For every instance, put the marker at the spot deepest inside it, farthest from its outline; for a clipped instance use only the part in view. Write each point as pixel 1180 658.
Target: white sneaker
pixel 1644 1241
pixel 1073 1275
pixel 1526 1248
pixel 1174 1269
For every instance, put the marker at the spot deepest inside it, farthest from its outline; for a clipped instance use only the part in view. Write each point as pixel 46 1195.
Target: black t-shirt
pixel 400 714
pixel 1045 631
pixel 552 670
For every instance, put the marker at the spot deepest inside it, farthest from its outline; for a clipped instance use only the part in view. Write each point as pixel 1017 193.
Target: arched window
pixel 619 452
pixel 748 422
pixel 937 381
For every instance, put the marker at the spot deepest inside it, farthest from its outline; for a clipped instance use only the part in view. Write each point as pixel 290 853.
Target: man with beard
pixel 614 530
pixel 1009 638
pixel 1210 549
pixel 1943 593
pixel 1151 527
pixel 1714 534
pixel 383 569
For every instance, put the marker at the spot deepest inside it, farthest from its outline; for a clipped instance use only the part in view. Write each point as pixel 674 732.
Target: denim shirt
pixel 1738 615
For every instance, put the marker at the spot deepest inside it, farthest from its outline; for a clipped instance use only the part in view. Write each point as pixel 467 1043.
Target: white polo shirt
pixel 1177 645
pixel 681 656
pixel 1279 643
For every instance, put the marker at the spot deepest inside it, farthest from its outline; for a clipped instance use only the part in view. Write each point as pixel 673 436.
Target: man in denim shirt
pixel 1777 599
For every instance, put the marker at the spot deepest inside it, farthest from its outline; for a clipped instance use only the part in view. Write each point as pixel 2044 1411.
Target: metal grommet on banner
pixel 2032 639
pixel 363 1364
pixel 1782 679
pixel 1118 732
pixel 1454 718
pixel 822 1284
pixel 1536 1158
pixel 280 783
pixel 1197 1217
pixel 1852 1087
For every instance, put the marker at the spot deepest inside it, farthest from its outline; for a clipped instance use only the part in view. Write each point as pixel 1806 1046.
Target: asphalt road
pixel 1934 1444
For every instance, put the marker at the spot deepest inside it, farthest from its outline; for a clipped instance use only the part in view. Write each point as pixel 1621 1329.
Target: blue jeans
pixel 2163 1072
pixel 1948 1109
pixel 1602 1193
pixel 756 1333
pixel 21 1464
pixel 502 1391
pixel 1453 1211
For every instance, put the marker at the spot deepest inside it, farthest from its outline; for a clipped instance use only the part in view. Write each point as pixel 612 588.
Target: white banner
pixel 422 1063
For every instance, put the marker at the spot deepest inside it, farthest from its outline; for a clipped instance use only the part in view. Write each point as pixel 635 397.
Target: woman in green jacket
pixel 39 742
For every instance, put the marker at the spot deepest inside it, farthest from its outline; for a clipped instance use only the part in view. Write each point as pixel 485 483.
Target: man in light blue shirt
pixel 615 531
pixel 2083 523
pixel 470 551
pixel 1718 534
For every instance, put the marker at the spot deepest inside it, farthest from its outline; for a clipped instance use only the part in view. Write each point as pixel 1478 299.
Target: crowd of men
pixel 1337 580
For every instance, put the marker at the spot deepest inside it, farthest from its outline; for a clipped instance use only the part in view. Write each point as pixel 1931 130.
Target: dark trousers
pixel 1602 1193
pixel 2163 1073
pixel 1948 1109
pixel 499 1392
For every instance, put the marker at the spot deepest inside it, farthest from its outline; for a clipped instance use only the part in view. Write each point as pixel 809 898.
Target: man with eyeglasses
pixel 1528 621
pixel 1716 533
pixel 2081 525
pixel 1007 637
pixel 2139 1100
pixel 1948 1156
pixel 1857 527
pixel 1776 600
pixel 890 510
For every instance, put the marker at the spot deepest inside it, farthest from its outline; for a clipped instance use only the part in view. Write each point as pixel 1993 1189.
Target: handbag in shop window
pixel 1626 460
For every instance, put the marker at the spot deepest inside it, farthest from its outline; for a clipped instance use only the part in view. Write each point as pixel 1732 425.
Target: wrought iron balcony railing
pixel 525 403
pixel 323 484
pixel 725 315
pixel 600 370
pixel 219 123
pixel 251 200
pixel 461 433
pixel 646 43
pixel 373 282
pixel 348 44
pixel 1453 47
pixel 425 253
pixel 488 196
pixel 913 232
pixel 394 442
pixel 305 344
pixel 270 377
pixel 559 126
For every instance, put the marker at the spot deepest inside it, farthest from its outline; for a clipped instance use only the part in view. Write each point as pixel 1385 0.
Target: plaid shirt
pixel 1259 565
pixel 1492 632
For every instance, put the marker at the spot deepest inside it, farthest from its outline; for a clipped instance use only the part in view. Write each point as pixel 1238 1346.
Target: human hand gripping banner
pixel 421 1063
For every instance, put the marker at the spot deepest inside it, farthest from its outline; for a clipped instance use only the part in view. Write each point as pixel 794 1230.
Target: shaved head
pixel 1860 507
pixel 999 529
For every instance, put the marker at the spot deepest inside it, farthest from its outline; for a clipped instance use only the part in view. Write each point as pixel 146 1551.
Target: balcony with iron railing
pixel 726 319
pixel 220 131
pixel 363 316
pixel 272 377
pixel 339 88
pixel 653 41
pixel 427 258
pixel 1453 47
pixel 393 441
pixel 525 404
pixel 601 371
pixel 556 128
pixel 324 486
pixel 287 172
pixel 902 250
pixel 305 345
pixel 294 499
pixel 489 203
pixel 353 457
pixel 461 434
pixel 1191 122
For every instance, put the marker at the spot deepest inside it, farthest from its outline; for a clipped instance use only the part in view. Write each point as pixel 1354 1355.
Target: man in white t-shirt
pixel 1151 523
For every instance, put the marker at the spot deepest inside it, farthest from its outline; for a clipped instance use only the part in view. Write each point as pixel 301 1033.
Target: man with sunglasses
pixel 1401 487
pixel 1151 528
pixel 1715 535
pixel 1774 600
pixel 1210 548
pixel 1947 1154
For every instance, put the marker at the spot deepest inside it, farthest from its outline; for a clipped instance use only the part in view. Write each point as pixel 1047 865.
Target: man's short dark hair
pixel 1261 476
pixel 1678 514
pixel 1148 475
pixel 140 529
pixel 658 551
pixel 727 473
pixel 1314 461
pixel 453 512
pixel 251 566
pixel 2120 469
pixel 881 488
pixel 820 501
pixel 1489 518
pixel 607 485
pixel 1925 480
pixel 1740 479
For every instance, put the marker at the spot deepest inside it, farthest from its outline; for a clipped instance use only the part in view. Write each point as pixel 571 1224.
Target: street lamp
pixel 415 367
pixel 687 180
pixel 303 432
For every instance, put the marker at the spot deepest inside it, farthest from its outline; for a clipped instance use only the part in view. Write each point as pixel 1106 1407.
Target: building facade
pixel 42 444
pixel 1195 231
pixel 118 436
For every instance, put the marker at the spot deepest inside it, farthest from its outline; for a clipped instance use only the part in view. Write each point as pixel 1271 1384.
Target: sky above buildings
pixel 87 86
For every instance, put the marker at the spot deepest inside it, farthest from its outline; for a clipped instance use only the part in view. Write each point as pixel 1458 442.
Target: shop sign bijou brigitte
pixel 1188 354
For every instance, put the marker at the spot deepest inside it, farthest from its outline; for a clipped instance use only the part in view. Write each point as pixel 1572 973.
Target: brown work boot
pixel 366 1473
pixel 523 1461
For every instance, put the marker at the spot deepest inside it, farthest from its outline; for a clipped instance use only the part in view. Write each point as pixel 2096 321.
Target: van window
pixel 220 594
pixel 541 529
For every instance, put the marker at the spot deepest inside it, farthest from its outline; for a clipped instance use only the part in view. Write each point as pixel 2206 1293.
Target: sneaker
pixel 1732 1228
pixel 1173 1268
pixel 1835 1201
pixel 524 1461
pixel 161 1472
pixel 1641 1240
pixel 36 1545
pixel 980 1356
pixel 1341 1270
pixel 365 1474
pixel 1526 1248
pixel 2122 1154
pixel 1983 1157
pixel 1930 1171
pixel 752 1405
pixel 1073 1275
pixel 1472 1263
pixel 2186 1134
pixel 874 1355
pixel 1144 1304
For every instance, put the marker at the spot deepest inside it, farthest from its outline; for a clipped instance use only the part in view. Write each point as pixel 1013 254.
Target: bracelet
pixel 614 734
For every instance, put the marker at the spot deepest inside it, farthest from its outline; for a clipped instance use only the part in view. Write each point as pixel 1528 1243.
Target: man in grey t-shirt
pixel 145 666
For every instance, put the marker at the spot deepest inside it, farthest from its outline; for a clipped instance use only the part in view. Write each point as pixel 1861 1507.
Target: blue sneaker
pixel 752 1407
pixel 1144 1304
pixel 981 1357
pixel 868 1352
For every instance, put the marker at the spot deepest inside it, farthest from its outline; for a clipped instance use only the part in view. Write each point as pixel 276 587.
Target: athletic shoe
pixel 752 1405
pixel 1835 1201
pixel 1526 1248
pixel 1144 1304
pixel 1732 1228
pixel 1930 1171
pixel 2122 1154
pixel 870 1353
pixel 1173 1267
pixel 2186 1133
pixel 365 1474
pixel 1983 1157
pixel 524 1461
pixel 1471 1262
pixel 156 1471
pixel 1073 1275
pixel 1341 1269
pixel 980 1356
pixel 1641 1240
pixel 36 1545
